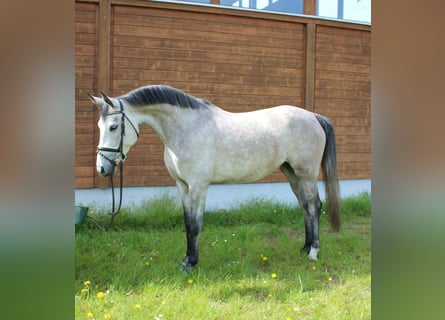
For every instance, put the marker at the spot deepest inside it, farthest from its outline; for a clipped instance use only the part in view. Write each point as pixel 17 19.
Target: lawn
pixel 250 265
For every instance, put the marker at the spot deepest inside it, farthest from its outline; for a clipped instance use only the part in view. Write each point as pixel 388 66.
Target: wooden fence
pixel 240 60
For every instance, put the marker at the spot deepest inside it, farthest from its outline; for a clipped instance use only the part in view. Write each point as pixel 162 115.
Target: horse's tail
pixel 330 178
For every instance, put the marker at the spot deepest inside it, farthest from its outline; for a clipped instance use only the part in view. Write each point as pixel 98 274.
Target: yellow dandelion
pixel 190 281
pixel 100 295
pixel 84 290
pixel 296 309
pixel 270 295
pixel 288 318
pixel 137 306
pixel 330 279
pixel 314 267
pixel 107 316
pixel 90 315
pixel 87 283
pixel 265 258
pixel 274 275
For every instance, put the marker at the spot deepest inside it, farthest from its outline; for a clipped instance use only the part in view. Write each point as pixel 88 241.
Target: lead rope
pixel 113 212
pixel 121 178
pixel 121 169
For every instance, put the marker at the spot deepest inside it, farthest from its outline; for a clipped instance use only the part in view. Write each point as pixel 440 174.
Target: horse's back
pixel 276 125
pixel 251 145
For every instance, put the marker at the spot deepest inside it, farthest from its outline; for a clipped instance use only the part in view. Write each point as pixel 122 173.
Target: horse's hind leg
pixel 307 194
pixel 193 201
pixel 311 218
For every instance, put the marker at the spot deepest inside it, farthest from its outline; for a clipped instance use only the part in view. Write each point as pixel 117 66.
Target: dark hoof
pixel 186 265
pixel 186 268
pixel 306 248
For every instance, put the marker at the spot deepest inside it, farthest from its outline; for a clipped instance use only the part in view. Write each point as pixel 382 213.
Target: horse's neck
pixel 167 121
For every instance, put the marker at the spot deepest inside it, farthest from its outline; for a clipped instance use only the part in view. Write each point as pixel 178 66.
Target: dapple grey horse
pixel 205 144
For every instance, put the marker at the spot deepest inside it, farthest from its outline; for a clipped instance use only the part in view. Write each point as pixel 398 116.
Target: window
pixel 198 1
pixel 353 10
pixel 289 6
pixel 358 10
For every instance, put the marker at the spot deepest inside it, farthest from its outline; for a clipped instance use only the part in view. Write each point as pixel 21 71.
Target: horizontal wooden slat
pixel 87 161
pixel 245 47
pixel 343 75
pixel 215 57
pixel 343 36
pixel 156 66
pixel 84 27
pixel 82 183
pixel 342 67
pixel 84 61
pixel 228 78
pixel 83 172
pixel 179 18
pixel 85 149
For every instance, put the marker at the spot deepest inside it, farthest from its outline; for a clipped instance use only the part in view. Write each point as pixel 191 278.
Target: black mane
pixel 158 94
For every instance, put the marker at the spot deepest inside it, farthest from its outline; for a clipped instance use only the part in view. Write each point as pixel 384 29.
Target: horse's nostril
pixel 102 170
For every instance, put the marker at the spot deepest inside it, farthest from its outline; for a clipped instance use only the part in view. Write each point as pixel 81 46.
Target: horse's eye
pixel 113 127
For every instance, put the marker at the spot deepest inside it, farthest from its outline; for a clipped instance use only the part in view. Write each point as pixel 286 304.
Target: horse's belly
pixel 251 177
pixel 244 170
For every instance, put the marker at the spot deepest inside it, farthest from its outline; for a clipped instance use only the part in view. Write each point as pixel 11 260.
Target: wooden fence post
pixel 309 85
pixel 103 65
pixel 310 7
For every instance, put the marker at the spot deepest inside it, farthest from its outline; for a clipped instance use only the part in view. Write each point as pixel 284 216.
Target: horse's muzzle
pixel 106 168
pixel 106 164
pixel 103 173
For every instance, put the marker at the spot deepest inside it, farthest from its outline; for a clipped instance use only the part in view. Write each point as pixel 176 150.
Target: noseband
pixel 117 161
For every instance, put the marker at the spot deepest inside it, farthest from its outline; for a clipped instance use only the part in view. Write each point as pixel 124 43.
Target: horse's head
pixel 118 132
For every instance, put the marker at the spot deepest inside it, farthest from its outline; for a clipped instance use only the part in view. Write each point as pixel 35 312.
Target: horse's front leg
pixel 193 200
pixel 193 225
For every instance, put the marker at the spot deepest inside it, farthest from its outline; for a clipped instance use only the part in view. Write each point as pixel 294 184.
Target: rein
pixel 117 161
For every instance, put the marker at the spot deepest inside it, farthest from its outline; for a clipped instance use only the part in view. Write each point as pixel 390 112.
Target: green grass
pixel 136 265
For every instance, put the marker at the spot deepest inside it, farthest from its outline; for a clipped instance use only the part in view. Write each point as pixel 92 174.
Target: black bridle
pixel 118 161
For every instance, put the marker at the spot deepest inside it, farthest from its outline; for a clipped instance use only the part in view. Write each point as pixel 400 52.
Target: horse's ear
pixel 93 99
pixel 107 99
